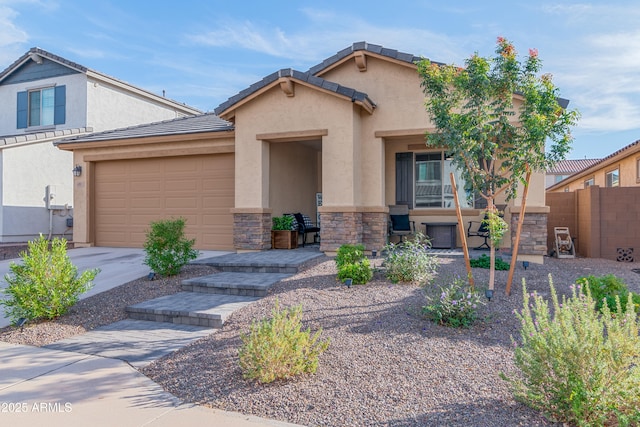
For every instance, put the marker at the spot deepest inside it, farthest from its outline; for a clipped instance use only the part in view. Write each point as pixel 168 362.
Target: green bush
pixel 46 284
pixel 167 248
pixel 352 264
pixel 277 348
pixel 484 261
pixel 282 222
pixel 360 272
pixel 349 254
pixel 605 289
pixel 409 261
pixel 578 366
pixel 457 305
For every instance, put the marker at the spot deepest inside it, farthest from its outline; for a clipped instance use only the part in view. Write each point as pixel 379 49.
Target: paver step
pixel 190 308
pixel 229 283
pixel 274 261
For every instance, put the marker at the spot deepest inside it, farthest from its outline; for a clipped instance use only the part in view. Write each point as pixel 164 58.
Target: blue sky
pixel 202 52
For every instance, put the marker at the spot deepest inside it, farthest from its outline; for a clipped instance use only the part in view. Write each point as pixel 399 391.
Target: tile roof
pixel 327 63
pixel 566 167
pixel 42 136
pixel 298 75
pixel 310 76
pixel 368 47
pixel 180 126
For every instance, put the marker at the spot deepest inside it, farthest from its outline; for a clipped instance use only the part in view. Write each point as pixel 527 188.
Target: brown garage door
pixel 129 194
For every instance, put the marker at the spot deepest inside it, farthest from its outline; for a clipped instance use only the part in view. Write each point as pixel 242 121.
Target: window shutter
pixel 404 179
pixel 22 110
pixel 59 114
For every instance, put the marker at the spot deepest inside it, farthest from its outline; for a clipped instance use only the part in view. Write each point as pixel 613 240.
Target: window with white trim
pixel 41 107
pixel 612 178
pixel 589 182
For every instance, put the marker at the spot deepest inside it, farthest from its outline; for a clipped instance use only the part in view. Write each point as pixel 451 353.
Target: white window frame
pixel 46 113
pixel 609 180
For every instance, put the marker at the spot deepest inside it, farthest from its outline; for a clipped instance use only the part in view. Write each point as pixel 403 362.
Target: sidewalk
pixel 56 388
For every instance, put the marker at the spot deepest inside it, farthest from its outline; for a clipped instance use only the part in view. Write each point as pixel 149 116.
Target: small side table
pixel 441 234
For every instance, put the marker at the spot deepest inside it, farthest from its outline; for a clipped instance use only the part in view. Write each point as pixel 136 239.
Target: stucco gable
pixel 284 77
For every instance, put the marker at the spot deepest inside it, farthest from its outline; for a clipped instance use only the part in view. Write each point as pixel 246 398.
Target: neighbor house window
pixel 41 107
pixel 638 169
pixel 589 182
pixel 612 178
pixel 422 181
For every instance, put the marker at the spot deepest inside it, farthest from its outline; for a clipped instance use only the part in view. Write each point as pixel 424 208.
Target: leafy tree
pixel 493 117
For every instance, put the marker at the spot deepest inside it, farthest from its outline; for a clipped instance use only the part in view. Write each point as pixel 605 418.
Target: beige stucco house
pixel 619 169
pixel 349 132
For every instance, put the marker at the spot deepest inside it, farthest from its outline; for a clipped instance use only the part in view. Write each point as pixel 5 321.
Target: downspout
pixel 50 224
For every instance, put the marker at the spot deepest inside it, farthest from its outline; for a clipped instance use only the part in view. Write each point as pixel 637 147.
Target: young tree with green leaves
pixel 494 117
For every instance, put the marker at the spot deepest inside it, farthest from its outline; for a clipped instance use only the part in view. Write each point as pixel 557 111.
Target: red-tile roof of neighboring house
pixel 624 151
pixel 568 167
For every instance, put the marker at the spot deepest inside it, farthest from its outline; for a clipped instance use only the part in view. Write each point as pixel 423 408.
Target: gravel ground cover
pixel 100 309
pixel 386 365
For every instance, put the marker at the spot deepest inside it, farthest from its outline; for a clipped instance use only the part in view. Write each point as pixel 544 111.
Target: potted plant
pixel 282 236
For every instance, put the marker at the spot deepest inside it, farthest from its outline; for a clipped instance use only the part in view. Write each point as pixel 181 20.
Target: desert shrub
pixel 605 289
pixel 456 305
pixel 46 284
pixel 277 348
pixel 409 261
pixel 484 261
pixel 167 248
pixel 578 366
pixel 352 264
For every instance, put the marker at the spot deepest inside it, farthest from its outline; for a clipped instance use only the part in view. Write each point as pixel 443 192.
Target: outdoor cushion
pixel 307 221
pixel 400 222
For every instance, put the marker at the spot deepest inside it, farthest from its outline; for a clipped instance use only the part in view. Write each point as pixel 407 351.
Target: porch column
pixel 251 214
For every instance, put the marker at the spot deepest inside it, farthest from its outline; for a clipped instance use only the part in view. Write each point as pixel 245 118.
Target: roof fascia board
pixel 229 113
pixel 144 140
pixel 366 53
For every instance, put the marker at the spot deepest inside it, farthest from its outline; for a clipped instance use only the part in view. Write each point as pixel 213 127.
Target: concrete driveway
pixel 118 266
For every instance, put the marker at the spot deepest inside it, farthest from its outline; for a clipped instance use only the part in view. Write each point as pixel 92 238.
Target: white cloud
pixel 316 41
pixel 11 36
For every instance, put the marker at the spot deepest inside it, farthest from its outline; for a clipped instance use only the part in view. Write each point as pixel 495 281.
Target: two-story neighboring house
pixel 44 97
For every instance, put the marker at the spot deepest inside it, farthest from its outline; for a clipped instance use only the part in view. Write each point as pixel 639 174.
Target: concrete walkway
pixel 59 388
pixel 91 379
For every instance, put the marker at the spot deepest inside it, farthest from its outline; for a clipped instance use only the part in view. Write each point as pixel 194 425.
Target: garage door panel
pixel 146 203
pixel 130 194
pixel 144 186
pixel 182 185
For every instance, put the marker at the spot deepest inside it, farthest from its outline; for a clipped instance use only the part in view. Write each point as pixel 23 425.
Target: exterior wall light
pixel 77 171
